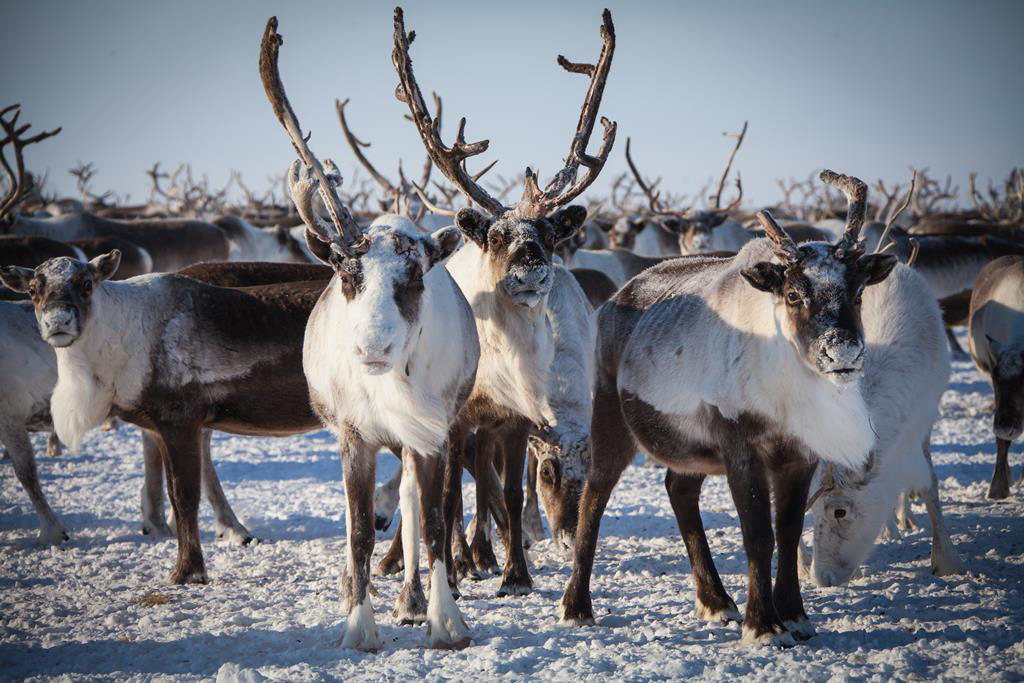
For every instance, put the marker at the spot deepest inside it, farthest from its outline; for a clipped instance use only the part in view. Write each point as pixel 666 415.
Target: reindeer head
pixel 1008 386
pixel 62 293
pixel 518 241
pixel 695 230
pixel 817 288
pixel 849 510
pixel 562 461
pixel 624 231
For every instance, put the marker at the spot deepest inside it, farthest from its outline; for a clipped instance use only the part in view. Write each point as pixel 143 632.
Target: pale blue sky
pixel 868 88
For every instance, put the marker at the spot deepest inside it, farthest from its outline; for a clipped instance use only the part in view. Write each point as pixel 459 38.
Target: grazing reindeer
pixel 506 272
pixel 173 356
pixel 906 371
pixel 746 367
pixel 390 353
pixel 997 346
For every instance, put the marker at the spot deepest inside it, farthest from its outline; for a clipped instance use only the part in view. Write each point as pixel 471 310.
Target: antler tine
pixel 447 159
pixel 356 145
pixel 13 136
pixel 896 214
pixel 536 203
pixel 433 208
pixel 782 244
pixel 856 197
pixel 653 198
pixel 347 230
pixel 728 167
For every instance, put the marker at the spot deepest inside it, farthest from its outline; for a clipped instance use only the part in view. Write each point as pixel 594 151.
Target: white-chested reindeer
pixel 747 367
pixel 997 346
pixel 906 371
pixel 390 354
pixel 506 272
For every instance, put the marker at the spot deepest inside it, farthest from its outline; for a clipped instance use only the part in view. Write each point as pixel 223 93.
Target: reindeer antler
pixel 725 174
pixel 13 135
pixel 356 145
pixel 346 231
pixel 450 160
pixel 856 197
pixel 536 203
pixel 782 244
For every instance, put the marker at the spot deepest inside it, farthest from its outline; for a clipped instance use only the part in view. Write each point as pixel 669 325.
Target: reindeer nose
pixel 373 354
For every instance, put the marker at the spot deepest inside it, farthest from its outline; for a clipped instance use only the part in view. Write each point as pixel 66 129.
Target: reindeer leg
pixel 19 446
pixel 483 563
pixel 452 506
pixel 904 513
pixel 945 559
pixel 748 483
pixel 612 448
pixel 516 578
pixel 226 523
pixel 153 521
pixel 445 626
pixel 954 345
pixel 411 606
pixel 181 446
pixel 791 485
pixel 1000 486
pixel 385 500
pixel 53 444
pixel 712 601
pixel 359 462
pixel 533 528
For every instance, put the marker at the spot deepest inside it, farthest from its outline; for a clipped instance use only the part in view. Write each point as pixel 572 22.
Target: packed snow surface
pixel 99 608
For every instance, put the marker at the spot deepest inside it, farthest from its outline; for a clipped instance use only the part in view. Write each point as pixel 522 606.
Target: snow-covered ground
pixel 272 610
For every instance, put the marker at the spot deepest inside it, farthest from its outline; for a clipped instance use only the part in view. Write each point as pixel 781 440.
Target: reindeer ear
pixel 673 225
pixel 766 276
pixel 876 267
pixel 321 250
pixel 104 266
pixel 474 225
pixel 16 277
pixel 442 244
pixel 566 221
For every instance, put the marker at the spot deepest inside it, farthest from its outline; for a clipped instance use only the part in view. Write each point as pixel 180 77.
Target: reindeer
pixel 996 338
pixel 701 231
pixel 390 353
pixel 249 243
pixel 746 367
pixel 906 371
pixel 506 272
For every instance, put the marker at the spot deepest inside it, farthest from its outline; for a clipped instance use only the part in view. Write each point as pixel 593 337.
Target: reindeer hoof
pixel 999 491
pixel 801 628
pixel 189 576
pixel 948 566
pixel 53 536
pixel 234 536
pixel 361 629
pixel 411 605
pixel 515 586
pixel 776 636
pixel 157 529
pixel 723 613
pixel 572 616
pixel 390 565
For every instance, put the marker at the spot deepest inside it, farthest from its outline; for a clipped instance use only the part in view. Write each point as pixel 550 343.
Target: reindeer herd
pixel 802 349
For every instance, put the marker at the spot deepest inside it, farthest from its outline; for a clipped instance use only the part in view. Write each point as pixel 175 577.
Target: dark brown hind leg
pixel 1000 486
pixel 516 577
pixel 612 448
pixel 712 601
pixel 791 484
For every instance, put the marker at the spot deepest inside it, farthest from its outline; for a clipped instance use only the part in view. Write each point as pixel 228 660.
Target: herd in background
pixel 441 321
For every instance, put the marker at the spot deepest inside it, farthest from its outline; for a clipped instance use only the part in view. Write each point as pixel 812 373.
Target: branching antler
pixel 536 203
pixel 725 174
pixel 448 159
pixel 896 214
pixel 14 136
pixel 315 179
pixel 782 244
pixel 856 197
pixel 648 188
pixel 83 174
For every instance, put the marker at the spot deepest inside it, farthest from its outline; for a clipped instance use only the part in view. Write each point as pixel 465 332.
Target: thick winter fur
pixel 739 366
pixel 170 243
pixel 390 354
pixel 906 370
pixel 997 346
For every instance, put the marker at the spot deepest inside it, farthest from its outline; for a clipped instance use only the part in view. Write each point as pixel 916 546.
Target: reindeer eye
pixel 839 513
pixel 87 287
pixel 792 297
pixel 495 239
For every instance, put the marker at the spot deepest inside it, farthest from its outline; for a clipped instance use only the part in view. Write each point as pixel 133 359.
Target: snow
pixel 99 608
